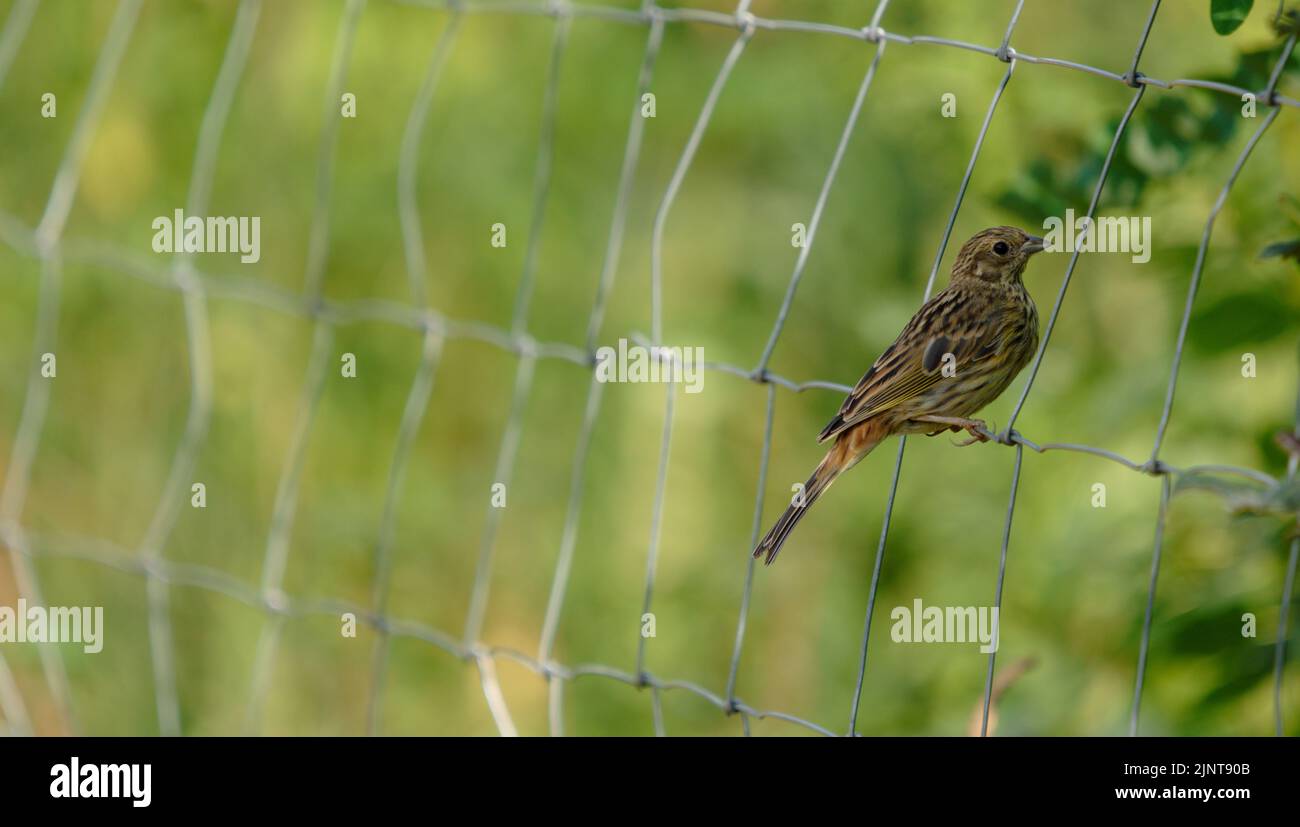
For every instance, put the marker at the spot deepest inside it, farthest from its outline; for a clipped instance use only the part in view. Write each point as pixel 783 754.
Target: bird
pixel 957 354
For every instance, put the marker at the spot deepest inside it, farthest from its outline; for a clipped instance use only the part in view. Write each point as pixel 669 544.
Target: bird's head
pixel 998 254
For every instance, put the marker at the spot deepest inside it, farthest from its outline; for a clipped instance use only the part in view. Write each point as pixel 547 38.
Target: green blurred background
pixel 1077 577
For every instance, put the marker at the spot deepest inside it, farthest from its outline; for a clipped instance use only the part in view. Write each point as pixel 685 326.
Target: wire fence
pixel 46 243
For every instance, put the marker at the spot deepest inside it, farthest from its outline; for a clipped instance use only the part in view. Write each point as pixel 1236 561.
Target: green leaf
pixel 1284 249
pixel 1237 320
pixel 1227 15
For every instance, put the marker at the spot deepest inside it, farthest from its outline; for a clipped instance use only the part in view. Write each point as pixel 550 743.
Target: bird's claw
pixel 977 430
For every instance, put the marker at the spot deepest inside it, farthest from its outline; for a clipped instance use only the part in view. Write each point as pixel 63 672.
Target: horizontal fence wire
pixel 47 244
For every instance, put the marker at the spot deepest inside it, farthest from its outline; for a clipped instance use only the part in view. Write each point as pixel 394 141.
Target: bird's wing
pixel 914 362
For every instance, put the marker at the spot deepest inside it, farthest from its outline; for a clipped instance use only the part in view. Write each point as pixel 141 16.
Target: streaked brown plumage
pixel 982 327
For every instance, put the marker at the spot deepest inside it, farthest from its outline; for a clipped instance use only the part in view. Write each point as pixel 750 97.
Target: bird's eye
pixel 1001 248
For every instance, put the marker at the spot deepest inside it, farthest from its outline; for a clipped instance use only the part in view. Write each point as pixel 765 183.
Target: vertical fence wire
pixel 1154 464
pixel 750 561
pixel 605 283
pixel 11 36
pixel 1194 285
pixel 511 436
pixel 1145 645
pixel 408 165
pixel 1288 590
pixel 876 568
pixel 656 312
pixel 37 401
pixel 199 347
pixel 997 594
pixel 801 260
pixel 1102 176
pixel 279 535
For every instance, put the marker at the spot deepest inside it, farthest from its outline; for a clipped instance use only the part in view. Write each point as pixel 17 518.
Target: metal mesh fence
pixel 45 242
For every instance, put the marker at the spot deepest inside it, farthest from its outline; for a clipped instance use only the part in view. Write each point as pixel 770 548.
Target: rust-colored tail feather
pixel 849 448
pixel 820 480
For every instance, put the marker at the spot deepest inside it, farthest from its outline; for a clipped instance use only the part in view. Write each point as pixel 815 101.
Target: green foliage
pixel 1227 15
pixel 1283 249
pixel 1166 134
pixel 1286 23
pixel 1290 206
pixel 1213 632
pixel 1238 319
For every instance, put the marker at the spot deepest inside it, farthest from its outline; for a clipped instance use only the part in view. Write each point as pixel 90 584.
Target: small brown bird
pixel 958 353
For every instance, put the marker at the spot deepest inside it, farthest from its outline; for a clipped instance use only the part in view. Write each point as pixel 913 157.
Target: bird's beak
pixel 1033 245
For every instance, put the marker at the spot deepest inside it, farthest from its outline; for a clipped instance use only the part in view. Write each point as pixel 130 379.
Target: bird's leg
pixel 974 427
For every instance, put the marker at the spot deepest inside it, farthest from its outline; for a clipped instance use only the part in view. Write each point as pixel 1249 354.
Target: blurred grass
pixel 1076 584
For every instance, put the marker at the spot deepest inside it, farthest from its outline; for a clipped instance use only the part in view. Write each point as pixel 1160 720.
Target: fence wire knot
pixel 746 22
pixel 275 601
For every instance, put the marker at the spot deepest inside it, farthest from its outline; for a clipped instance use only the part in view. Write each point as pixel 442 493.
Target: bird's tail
pixel 851 447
